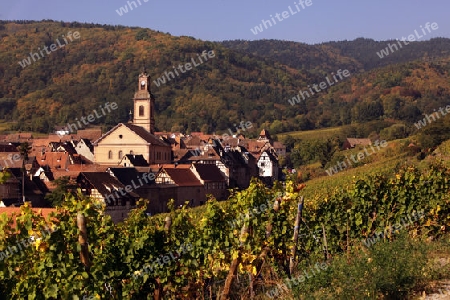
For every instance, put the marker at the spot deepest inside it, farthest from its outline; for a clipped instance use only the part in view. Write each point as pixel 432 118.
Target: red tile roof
pixel 74 170
pixel 10 160
pixel 13 212
pixel 183 176
pixel 89 134
pixel 22 136
pixel 209 172
pixel 55 160
pixel 104 183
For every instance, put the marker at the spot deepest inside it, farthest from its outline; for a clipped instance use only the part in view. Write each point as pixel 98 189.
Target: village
pixel 132 161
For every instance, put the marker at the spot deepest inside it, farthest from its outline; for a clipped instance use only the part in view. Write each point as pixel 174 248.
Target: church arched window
pixel 110 154
pixel 120 154
pixel 141 111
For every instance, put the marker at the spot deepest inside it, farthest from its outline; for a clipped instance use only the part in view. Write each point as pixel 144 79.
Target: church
pixel 136 137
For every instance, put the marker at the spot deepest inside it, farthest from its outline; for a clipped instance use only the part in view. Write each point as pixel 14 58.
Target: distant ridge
pixel 249 81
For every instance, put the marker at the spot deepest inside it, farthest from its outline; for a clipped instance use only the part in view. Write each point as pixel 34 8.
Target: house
pixel 268 167
pixel 236 164
pixel 54 160
pixel 210 156
pixel 352 143
pixel 183 156
pixel 104 188
pixel 62 147
pixel 90 134
pixel 10 192
pixel 44 174
pixel 19 137
pixel 242 166
pixel 133 160
pixel 7 147
pixel 264 136
pixel 280 148
pixel 61 130
pixel 193 142
pixel 212 179
pixel 34 189
pixel 10 160
pixel 180 183
pixel 139 181
pixel 174 140
pixel 84 148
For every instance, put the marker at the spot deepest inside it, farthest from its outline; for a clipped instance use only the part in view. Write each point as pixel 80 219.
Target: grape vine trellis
pixel 225 259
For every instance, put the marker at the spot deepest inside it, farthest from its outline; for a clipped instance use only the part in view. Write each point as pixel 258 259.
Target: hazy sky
pixel 324 20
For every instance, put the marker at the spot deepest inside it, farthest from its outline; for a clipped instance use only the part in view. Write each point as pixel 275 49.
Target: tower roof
pixel 264 134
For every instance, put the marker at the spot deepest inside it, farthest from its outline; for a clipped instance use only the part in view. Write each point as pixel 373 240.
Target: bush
pixel 387 270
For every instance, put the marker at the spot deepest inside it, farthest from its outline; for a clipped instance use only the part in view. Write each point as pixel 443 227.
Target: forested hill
pixel 104 62
pixel 357 55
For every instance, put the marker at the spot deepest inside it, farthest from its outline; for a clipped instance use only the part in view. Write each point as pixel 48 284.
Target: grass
pixel 388 270
pixel 4 126
pixel 383 162
pixel 320 187
pixel 324 133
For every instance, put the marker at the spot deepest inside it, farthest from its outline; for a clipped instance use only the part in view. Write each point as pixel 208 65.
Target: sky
pixel 218 20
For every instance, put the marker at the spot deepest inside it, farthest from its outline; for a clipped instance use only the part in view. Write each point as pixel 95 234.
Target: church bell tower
pixel 144 104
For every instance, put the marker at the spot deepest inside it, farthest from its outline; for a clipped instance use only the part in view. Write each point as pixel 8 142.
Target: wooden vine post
pixel 234 267
pixel 269 227
pixel 83 241
pixel 296 230
pixel 325 244
pixel 158 295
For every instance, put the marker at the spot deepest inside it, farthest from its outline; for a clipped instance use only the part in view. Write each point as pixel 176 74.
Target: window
pixel 110 155
pixel 141 111
pixel 120 154
pixel 120 136
pixel 131 152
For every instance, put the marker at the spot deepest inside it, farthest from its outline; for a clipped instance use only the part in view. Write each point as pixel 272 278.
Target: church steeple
pixel 144 104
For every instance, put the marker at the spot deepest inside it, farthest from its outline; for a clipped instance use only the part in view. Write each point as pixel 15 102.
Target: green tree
pixel 64 185
pixel 24 150
pixel 142 35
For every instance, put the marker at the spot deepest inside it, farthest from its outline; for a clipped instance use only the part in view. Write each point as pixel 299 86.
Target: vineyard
pixel 224 250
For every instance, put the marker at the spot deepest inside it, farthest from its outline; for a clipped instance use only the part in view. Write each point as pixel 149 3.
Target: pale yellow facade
pixel 121 140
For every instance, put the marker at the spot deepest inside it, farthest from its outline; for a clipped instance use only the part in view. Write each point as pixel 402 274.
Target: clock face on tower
pixel 143 82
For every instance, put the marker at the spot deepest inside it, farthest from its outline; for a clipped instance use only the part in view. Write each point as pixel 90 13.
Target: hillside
pixel 103 64
pixel 357 55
